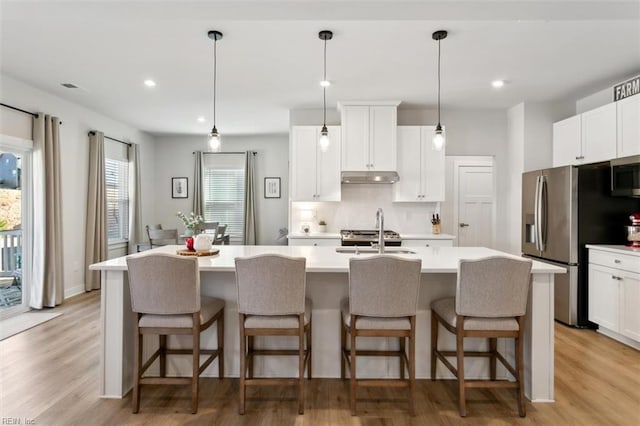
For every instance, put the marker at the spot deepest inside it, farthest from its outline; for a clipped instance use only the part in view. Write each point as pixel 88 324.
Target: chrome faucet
pixel 380 226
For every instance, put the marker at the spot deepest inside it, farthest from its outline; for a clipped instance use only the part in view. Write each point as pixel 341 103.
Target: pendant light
pixel 324 141
pixel 214 137
pixel 438 137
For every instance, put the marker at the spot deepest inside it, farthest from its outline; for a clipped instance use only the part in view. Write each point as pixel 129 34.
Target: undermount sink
pixel 369 250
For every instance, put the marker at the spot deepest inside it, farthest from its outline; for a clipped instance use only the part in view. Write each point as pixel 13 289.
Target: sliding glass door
pixel 15 195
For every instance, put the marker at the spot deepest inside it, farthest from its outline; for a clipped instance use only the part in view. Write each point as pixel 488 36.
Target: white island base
pixel 327 285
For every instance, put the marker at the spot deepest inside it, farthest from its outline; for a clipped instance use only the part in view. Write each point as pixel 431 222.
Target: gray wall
pixel 174 158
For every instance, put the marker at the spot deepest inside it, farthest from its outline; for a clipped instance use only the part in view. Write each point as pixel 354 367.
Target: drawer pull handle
pixel 616 278
pixel 617 261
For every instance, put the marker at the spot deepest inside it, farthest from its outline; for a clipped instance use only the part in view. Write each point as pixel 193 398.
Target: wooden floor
pixel 49 375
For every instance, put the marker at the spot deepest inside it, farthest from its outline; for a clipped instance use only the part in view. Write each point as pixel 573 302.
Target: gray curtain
pixel 135 198
pixel 249 200
pixel 96 232
pixel 48 271
pixel 198 195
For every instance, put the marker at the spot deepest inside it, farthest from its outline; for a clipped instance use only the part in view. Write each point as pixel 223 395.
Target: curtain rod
pixel 113 139
pixel 24 111
pixel 240 152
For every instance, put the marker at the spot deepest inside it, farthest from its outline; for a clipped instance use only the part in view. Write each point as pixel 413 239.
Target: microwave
pixel 625 177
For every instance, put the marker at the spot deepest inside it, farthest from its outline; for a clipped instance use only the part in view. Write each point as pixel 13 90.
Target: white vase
pixel 202 243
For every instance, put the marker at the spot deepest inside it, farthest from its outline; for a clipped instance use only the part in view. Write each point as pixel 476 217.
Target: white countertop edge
pixel 615 249
pixel 327 235
pixel 427 236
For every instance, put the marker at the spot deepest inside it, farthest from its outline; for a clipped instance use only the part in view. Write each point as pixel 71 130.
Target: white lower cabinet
pixel 306 241
pixel 427 243
pixel 614 295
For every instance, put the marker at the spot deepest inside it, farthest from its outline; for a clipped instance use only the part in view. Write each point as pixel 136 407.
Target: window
pixel 223 185
pixel 116 169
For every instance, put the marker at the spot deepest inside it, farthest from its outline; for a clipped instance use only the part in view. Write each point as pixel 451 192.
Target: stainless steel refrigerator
pixel 563 209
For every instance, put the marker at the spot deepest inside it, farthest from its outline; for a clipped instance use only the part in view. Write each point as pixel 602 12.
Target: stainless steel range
pixel 368 237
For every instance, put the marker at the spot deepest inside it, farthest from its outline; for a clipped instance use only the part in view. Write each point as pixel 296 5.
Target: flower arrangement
pixel 192 222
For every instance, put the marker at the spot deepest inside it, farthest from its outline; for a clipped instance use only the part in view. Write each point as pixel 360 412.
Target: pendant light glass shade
pixel 324 140
pixel 438 137
pixel 215 144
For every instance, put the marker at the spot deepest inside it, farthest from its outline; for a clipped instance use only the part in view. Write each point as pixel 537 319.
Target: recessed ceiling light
pixel 200 119
pixel 150 83
pixel 497 84
pixel 325 83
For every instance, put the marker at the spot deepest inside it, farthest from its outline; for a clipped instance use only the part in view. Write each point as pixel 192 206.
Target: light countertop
pixel 326 259
pixel 426 236
pixel 328 235
pixel 616 249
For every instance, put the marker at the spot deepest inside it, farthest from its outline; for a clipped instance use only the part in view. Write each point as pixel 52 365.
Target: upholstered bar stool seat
pixel 165 300
pixel 446 309
pixel 383 299
pixel 271 302
pixel 490 302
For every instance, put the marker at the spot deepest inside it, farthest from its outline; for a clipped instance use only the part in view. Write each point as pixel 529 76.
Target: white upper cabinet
pixel 420 167
pixel 599 134
pixel 628 116
pixel 589 137
pixel 369 135
pixel 315 175
pixel 567 144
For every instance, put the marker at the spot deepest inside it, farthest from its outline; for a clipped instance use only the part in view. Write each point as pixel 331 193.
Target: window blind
pixel 223 187
pixel 117 188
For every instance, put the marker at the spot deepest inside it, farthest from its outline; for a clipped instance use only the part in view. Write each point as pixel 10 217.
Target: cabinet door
pixel 427 243
pixel 629 303
pixel 328 166
pixel 599 134
pixel 432 168
pixel 603 297
pixel 355 138
pixel 566 142
pixel 382 151
pixel 306 241
pixel 628 135
pixel 408 188
pixel 303 162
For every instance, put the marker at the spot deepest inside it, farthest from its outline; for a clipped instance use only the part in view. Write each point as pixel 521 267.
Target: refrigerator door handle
pixel 543 213
pixel 536 214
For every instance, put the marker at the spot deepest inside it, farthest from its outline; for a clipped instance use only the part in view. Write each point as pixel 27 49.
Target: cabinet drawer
pixel 615 260
pixel 330 242
pixel 427 243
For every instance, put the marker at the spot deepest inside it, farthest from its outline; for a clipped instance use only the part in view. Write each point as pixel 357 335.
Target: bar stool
pixel 271 302
pixel 383 299
pixel 165 299
pixel 491 302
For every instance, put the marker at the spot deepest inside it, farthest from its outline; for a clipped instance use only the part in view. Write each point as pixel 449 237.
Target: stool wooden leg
pixel 250 358
pixel 301 364
pixel 402 349
pixel 520 368
pixel 243 354
pixel 220 324
pixel 412 367
pixel 163 355
pixel 137 365
pixel 352 367
pixel 434 344
pixel 195 378
pixel 493 347
pixel 462 404
pixel 309 340
pixel 343 346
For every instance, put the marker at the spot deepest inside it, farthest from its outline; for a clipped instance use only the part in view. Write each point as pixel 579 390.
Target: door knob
pixel 464 225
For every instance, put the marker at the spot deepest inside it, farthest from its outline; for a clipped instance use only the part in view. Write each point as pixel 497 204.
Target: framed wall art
pixel 179 187
pixel 272 187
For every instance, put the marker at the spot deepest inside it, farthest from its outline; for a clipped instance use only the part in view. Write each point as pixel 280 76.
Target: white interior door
pixel 475 206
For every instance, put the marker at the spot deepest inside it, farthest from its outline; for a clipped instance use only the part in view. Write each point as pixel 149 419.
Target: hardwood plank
pixel 50 374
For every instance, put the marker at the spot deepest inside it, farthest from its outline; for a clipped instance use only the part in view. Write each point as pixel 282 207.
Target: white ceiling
pixel 270 59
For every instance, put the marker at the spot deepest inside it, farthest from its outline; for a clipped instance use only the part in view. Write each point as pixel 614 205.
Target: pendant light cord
pixel 324 88
pixel 438 81
pixel 215 63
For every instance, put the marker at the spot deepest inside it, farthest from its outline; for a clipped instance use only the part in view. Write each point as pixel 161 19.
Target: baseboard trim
pixel 73 291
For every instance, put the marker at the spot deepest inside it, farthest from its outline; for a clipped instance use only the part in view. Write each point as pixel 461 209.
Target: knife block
pixel 436 229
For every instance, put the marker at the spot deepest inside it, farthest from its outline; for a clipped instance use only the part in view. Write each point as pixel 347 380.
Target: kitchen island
pixel 327 285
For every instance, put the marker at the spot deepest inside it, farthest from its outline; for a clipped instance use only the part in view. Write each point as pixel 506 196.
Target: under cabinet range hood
pixel 370 177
